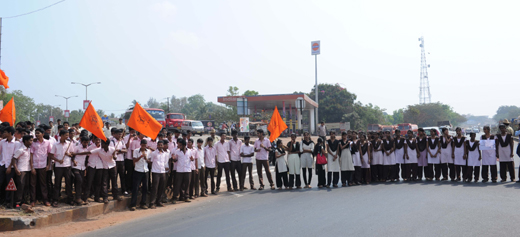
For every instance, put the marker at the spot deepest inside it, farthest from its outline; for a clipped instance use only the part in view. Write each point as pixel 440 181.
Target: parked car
pixel 194 126
pixel 427 130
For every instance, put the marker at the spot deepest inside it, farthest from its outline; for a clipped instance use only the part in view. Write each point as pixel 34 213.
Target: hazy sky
pixel 159 48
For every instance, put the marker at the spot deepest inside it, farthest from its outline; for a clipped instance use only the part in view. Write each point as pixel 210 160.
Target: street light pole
pixel 66 102
pixel 168 101
pixel 86 87
pixel 52 107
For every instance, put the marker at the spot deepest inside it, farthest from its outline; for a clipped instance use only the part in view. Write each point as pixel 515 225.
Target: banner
pixel 244 124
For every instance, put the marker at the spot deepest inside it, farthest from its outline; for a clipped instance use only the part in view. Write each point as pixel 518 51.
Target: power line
pixel 27 13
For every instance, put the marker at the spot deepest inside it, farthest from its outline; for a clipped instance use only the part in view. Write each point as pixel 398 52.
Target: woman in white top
pixel 293 161
pixel 459 154
pixel 281 166
pixel 376 164
pixel 365 156
pixel 411 157
pixel 306 158
pixel 388 146
pixel 446 159
pixel 356 160
pixel 399 154
pixel 332 160
pixel 474 158
pixel 345 160
pixel 504 149
pixel 488 154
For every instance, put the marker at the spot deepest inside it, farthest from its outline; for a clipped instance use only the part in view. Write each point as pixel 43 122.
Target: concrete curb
pixel 78 213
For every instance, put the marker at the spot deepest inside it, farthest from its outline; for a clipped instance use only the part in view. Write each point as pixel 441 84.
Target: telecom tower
pixel 424 96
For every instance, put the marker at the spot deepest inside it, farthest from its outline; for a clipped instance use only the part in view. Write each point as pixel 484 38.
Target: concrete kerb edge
pixel 76 214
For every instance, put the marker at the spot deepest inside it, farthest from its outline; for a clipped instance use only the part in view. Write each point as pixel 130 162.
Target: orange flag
pixel 92 122
pixel 3 79
pixel 143 122
pixel 276 126
pixel 8 113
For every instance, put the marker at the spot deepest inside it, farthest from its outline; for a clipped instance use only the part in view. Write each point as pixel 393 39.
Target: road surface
pixel 423 208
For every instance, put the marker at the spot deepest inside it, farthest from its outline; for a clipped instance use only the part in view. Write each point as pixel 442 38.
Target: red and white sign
pixel 66 113
pixel 11 186
pixel 315 47
pixel 38 123
pixel 51 119
pixel 85 104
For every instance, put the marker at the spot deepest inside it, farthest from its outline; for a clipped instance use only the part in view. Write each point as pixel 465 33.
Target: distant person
pixel 281 166
pixel 224 164
pixel 345 160
pixel 446 160
pixel 411 157
pixel 434 156
pixel 293 162
pixel 183 157
pixel 262 149
pixel 106 130
pixel 388 145
pixel 234 155
pixel 422 160
pixel 509 129
pixel 365 156
pixel 247 151
pixel 489 156
pixel 159 159
pixel 399 154
pixel 121 125
pixel 376 158
pixel 307 158
pixel 332 161
pixel 210 160
pixel 23 167
pixel 322 131
pixel 141 157
pixel 459 154
pixel 61 154
pixel 504 152
pixel 474 158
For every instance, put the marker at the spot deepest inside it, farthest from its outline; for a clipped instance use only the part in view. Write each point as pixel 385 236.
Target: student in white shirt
pixel 159 160
pixel 7 148
pixel 61 154
pixel 78 170
pixel 234 155
pixel 224 163
pixel 247 152
pixel 118 143
pixel 23 167
pixel 140 175
pixel 183 157
pixel 201 179
pixel 194 171
pixel 210 160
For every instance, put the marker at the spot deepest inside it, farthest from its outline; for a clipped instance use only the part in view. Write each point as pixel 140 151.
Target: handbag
pixel 321 159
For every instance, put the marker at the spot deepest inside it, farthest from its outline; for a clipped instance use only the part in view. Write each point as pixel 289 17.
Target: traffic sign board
pixel 315 47
pixel 11 186
pixel 66 113
pixel 105 118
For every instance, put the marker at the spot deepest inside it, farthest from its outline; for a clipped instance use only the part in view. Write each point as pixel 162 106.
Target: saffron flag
pixel 276 125
pixel 3 79
pixel 8 113
pixel 143 122
pixel 92 122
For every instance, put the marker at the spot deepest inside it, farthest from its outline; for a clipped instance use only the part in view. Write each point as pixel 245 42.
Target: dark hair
pixel 332 132
pixel 107 142
pixel 343 133
pixel 398 131
pixel 60 127
pixel 487 127
pixel 144 141
pixel 130 129
pixel 210 139
pixel 27 138
pixel 234 132
pixel 458 129
pixel 71 130
pixel 169 134
pixel 501 126
pixel 410 131
pixel 84 139
pixel 9 130
pixel 66 123
pixel 260 131
pixel 247 137
pixel 181 141
pixel 160 142
pixel 190 140
pixel 63 132
pixel 22 124
pixel 40 130
pixel 200 141
pixel 421 130
pixel 444 129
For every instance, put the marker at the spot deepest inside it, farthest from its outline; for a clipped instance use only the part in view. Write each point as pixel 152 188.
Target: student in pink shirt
pixel 210 160
pixel 262 149
pixel 223 161
pixel 41 163
pixel 61 154
pixel 234 155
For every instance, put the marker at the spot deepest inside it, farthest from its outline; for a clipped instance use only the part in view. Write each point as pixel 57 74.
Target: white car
pixel 427 130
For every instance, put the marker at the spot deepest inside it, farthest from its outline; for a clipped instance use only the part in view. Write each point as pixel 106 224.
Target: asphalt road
pixel 423 208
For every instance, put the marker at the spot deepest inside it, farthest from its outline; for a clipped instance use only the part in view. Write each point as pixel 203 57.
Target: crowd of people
pixel 174 167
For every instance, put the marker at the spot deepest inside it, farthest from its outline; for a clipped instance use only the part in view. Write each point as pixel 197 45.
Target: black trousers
pixel 50 184
pixel 61 173
pixel 458 169
pixel 473 171
pixel 41 184
pixel 453 172
pixel 194 182
pixel 396 171
pixel 281 178
pixel 304 172
pixel 504 167
pixel 182 182
pixel 201 182
pixel 346 177
pixel 129 170
pixel 411 171
pixel 357 175
pixel 365 174
pixel 94 182
pixel 292 178
pixel 223 166
pixel 109 175
pixel 139 179
pixel 485 172
pixel 23 183
pixel 158 187
pixel 441 169
pixel 120 168
pixel 247 167
pixel 376 172
pixel 333 178
pixel 265 165
pixel 236 166
pixel 420 170
pixel 210 172
pixel 388 171
pixel 79 182
pixel 320 172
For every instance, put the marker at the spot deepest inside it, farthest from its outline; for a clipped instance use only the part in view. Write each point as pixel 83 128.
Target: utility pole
pixel 315 50
pixel 66 102
pixel 0 41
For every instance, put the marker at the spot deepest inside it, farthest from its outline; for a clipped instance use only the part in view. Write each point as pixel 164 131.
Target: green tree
pixel 152 103
pixel 194 105
pixel 334 102
pixel 250 93
pixel 232 91
pixel 425 115
pixel 25 106
pixel 507 112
